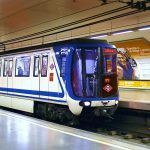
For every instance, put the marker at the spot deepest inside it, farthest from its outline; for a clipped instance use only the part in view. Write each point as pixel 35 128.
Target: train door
pixel 7 74
pixel 43 83
pixel 85 72
pixel 10 75
pixel 5 78
pixel 36 75
pixel 40 81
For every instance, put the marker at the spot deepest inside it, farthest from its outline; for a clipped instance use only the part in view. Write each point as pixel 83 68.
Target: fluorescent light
pixel 98 37
pixel 122 32
pixel 144 28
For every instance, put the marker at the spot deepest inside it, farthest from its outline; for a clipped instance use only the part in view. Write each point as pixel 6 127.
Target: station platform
pixel 134 99
pixel 20 132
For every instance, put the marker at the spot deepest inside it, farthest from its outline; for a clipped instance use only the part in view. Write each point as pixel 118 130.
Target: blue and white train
pixel 77 74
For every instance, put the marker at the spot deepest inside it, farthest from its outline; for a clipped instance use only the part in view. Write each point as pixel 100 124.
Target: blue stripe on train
pixel 32 92
pixel 38 98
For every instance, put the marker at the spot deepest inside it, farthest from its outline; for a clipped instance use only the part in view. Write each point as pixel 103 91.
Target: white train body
pixel 44 74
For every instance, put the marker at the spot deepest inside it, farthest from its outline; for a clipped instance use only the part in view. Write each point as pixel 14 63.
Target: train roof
pixel 80 41
pixel 59 43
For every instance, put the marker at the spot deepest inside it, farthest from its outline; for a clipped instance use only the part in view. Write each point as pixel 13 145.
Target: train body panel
pixel 65 74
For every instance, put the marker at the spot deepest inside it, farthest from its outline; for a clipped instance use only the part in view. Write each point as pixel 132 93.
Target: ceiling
pixel 19 14
pixel 38 15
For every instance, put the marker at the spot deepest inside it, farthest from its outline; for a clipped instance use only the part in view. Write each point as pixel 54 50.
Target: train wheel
pixel 40 110
pixel 51 113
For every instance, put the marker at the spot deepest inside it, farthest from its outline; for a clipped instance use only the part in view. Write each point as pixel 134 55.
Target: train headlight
pixel 86 103
pixel 116 102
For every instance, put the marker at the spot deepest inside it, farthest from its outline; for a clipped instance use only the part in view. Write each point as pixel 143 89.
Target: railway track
pixel 127 124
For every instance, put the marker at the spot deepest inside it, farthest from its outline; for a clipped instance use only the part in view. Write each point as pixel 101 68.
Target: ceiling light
pixel 122 32
pixel 100 36
pixel 144 28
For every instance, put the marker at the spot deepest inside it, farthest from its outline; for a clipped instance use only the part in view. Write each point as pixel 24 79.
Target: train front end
pixel 94 84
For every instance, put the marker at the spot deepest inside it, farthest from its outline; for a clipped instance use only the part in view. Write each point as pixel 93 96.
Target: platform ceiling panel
pixel 24 17
pixel 10 7
pixel 19 14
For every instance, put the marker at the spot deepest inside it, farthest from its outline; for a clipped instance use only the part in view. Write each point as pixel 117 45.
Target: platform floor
pixel 19 132
pixel 134 98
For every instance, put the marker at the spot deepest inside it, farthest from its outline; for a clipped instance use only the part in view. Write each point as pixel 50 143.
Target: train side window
pixel 36 66
pixel 44 66
pixel 63 54
pixel 10 68
pixel 22 68
pixel 0 67
pixel 5 68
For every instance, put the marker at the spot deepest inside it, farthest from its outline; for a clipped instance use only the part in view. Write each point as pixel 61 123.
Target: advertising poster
pixel 133 63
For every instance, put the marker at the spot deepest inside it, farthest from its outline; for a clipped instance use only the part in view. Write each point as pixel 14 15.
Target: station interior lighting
pixel 100 36
pixel 120 32
pixel 144 28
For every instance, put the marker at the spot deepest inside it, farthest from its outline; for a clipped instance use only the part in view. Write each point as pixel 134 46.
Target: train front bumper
pixel 101 103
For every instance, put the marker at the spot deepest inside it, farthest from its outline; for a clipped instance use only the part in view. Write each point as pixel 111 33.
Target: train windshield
pixel 85 72
pixel 89 68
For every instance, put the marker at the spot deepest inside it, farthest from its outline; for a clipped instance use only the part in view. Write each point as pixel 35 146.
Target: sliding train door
pixel 7 74
pixel 7 82
pixel 43 83
pixel 40 78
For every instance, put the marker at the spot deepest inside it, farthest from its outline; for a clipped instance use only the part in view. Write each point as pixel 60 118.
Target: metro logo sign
pixel 107 88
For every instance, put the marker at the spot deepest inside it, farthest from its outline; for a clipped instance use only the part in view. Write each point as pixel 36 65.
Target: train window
pixel 63 53
pixel 44 66
pixel 91 72
pixel 10 68
pixel 85 72
pixel 22 68
pixel 110 61
pixel 0 67
pixel 76 73
pixel 63 65
pixel 36 66
pixel 5 68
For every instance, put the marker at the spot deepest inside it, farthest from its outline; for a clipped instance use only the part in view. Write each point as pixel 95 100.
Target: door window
pixel 36 66
pixel 22 66
pixel 44 66
pixel 5 68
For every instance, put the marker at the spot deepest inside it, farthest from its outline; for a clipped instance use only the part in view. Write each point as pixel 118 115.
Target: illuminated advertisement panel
pixel 133 63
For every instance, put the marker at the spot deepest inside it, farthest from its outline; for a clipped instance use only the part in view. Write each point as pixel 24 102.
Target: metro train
pixel 77 75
